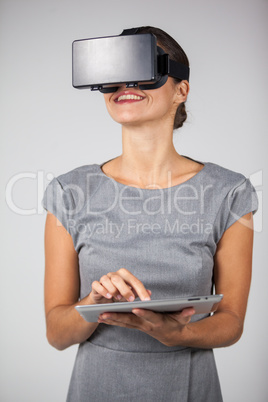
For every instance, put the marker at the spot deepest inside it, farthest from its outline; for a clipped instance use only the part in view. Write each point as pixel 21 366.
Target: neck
pixel 148 154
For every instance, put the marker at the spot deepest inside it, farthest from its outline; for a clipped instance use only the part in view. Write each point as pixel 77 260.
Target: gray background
pixel 48 128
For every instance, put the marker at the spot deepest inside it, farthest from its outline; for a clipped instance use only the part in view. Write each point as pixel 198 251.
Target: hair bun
pixel 181 116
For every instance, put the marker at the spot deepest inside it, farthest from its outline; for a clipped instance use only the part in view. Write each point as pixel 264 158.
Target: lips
pixel 126 96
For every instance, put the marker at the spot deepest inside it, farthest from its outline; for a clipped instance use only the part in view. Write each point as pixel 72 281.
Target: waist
pixel 128 340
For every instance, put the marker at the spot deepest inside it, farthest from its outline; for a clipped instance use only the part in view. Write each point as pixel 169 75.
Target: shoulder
pixel 232 193
pixel 230 188
pixel 222 178
pixel 77 184
pixel 78 176
pixel 67 193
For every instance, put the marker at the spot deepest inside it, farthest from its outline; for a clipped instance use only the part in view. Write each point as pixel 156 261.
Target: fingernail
pixel 118 297
pixel 147 298
pixel 108 295
pixel 131 298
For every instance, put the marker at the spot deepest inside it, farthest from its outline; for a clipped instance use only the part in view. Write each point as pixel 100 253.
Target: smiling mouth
pixel 129 98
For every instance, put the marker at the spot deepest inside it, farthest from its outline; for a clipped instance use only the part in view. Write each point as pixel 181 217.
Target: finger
pixel 126 320
pixel 133 290
pixel 121 286
pixel 148 315
pixel 135 283
pixel 107 284
pixel 120 319
pixel 99 289
pixel 121 324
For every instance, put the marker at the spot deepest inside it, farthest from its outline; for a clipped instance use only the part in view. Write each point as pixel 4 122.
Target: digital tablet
pixel 201 304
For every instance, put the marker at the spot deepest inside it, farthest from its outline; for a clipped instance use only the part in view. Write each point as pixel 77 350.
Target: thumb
pixel 184 316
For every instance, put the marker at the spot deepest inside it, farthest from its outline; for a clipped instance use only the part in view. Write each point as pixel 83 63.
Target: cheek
pixel 162 106
pixel 106 100
pixel 108 105
pixel 162 99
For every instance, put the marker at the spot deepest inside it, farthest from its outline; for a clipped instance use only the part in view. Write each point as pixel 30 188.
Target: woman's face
pixel 129 106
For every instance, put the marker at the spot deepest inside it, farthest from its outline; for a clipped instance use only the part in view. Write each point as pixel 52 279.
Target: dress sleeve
pixel 58 201
pixel 240 201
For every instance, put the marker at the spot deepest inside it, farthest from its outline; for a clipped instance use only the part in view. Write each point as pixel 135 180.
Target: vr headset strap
pixel 178 70
pixel 131 31
pixel 171 67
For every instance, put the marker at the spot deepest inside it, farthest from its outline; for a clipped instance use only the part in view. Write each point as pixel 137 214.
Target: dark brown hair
pixel 175 51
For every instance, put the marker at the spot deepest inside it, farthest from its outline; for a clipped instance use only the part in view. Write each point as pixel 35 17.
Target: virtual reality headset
pixel 133 59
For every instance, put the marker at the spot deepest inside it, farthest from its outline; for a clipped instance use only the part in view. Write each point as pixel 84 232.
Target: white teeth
pixel 125 97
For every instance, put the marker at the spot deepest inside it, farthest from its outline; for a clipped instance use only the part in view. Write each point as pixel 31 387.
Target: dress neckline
pixel 186 182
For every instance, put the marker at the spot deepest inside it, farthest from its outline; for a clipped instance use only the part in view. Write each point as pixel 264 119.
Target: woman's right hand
pixel 121 285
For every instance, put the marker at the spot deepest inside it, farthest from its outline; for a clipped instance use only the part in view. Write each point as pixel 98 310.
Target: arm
pixel 65 326
pixel 232 273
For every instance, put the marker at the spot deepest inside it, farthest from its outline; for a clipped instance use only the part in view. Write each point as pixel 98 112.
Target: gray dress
pixel 165 237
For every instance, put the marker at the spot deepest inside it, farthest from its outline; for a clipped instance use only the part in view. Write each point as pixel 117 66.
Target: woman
pixel 148 223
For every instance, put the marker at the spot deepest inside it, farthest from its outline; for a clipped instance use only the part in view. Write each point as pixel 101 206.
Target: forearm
pixel 65 326
pixel 222 329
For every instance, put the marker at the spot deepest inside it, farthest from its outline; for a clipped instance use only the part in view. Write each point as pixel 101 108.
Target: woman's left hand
pixel 165 327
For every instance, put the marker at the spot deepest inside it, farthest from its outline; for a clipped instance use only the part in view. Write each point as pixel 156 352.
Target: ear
pixel 183 89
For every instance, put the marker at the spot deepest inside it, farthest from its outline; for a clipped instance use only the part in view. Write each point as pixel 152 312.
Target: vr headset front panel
pixel 104 62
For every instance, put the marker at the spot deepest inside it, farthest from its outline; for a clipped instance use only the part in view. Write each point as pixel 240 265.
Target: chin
pixel 127 120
